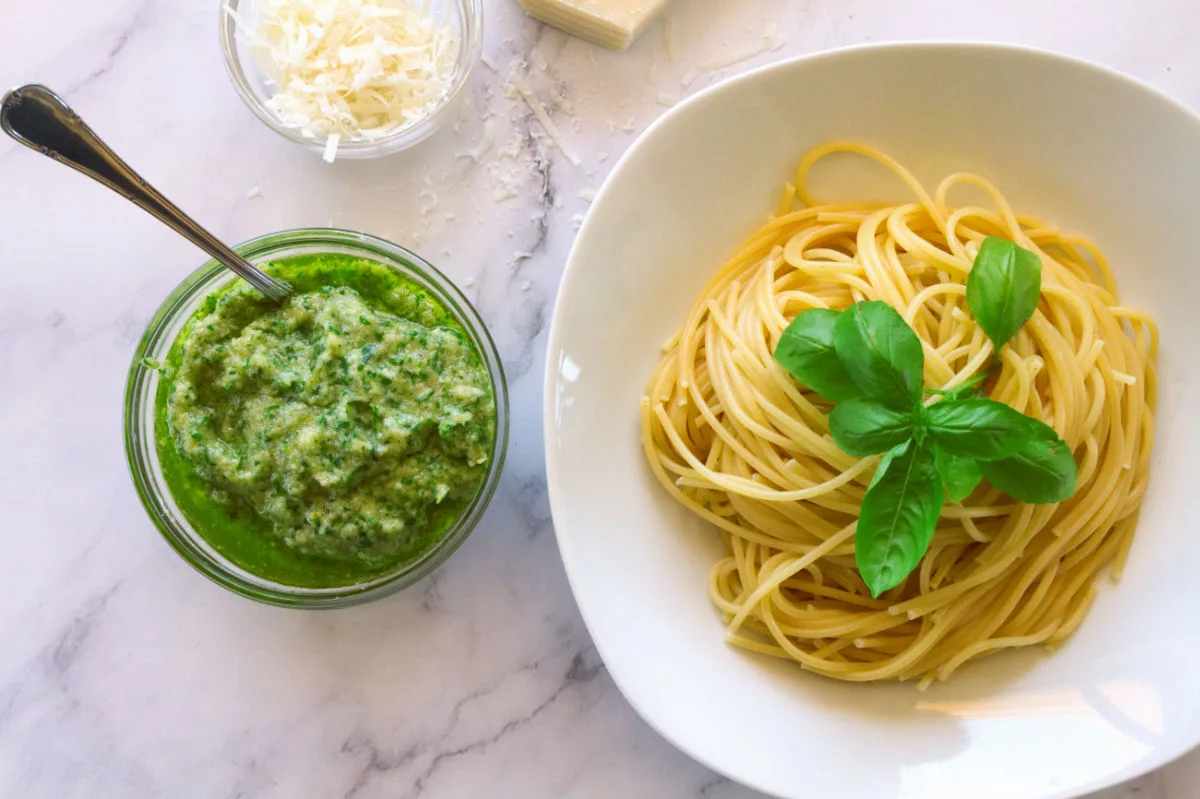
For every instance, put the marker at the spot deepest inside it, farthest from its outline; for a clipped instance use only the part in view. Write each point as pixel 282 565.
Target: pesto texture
pixel 344 429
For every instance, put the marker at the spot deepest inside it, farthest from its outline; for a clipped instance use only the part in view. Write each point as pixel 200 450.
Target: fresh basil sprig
pixel 870 363
pixel 960 475
pixel 1003 288
pixel 806 348
pixel 981 428
pixel 880 351
pixel 867 426
pixel 898 516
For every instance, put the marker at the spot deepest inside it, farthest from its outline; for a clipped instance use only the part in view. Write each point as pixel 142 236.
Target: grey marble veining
pixel 125 674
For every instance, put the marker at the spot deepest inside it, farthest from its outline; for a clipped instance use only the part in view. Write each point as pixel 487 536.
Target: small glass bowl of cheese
pixel 351 78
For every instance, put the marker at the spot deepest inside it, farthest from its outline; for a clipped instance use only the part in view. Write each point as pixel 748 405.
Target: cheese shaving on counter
pixel 351 69
pixel 539 111
pixel 771 40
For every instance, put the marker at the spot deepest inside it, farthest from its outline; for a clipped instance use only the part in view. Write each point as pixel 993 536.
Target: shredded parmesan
pixel 485 143
pixel 668 30
pixel 539 111
pixel 429 202
pixel 351 69
pixel 331 145
pixel 770 41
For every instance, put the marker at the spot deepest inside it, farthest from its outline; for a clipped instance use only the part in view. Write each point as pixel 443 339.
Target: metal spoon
pixel 39 119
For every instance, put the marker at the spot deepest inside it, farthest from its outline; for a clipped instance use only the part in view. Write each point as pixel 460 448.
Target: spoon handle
pixel 41 120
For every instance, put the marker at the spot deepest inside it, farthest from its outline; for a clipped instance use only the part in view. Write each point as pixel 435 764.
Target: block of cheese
pixel 611 23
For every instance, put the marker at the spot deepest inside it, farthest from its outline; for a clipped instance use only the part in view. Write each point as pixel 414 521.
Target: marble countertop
pixel 124 673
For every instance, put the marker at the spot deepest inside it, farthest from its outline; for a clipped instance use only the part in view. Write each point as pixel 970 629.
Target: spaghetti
pixel 734 438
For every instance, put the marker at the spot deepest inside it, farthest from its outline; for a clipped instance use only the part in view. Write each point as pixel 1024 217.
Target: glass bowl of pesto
pixel 328 450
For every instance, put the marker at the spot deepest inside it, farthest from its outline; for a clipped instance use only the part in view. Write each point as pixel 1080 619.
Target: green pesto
pixel 331 438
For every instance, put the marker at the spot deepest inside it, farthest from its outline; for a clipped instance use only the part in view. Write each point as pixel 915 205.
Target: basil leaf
pixel 886 461
pixel 959 475
pixel 1043 470
pixel 1003 288
pixel 806 350
pixel 880 351
pixel 898 517
pixel 867 426
pixel 981 428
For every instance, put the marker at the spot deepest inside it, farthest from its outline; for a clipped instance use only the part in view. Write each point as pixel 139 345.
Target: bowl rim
pixel 554 348
pixel 140 411
pixel 470 53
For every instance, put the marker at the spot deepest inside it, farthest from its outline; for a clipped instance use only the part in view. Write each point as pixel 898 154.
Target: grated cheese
pixel 668 30
pixel 351 69
pixel 539 111
pixel 430 202
pixel 485 143
pixel 770 40
pixel 331 145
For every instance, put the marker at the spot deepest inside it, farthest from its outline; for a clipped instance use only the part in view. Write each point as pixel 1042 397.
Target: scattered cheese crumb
pixel 331 145
pixel 464 113
pixel 538 59
pixel 539 111
pixel 577 221
pixel 630 126
pixel 253 193
pixel 565 104
pixel 769 41
pixel 469 282
pixel 602 157
pixel 354 69
pixel 427 209
pixel 668 100
pixel 486 142
pixel 487 62
pixel 668 29
pixel 526 285
pixel 587 195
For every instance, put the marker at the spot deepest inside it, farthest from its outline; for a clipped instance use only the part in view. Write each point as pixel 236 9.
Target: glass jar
pixel 141 409
pixel 465 17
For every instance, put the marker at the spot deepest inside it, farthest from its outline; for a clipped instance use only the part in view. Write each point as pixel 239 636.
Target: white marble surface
pixel 125 674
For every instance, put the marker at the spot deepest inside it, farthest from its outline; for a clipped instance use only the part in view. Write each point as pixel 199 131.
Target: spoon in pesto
pixel 42 121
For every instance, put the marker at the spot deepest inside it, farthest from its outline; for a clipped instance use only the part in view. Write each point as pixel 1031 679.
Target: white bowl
pixel 1082 146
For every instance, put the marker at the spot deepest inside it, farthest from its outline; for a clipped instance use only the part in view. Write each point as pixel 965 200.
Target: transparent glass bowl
pixel 464 16
pixel 142 388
